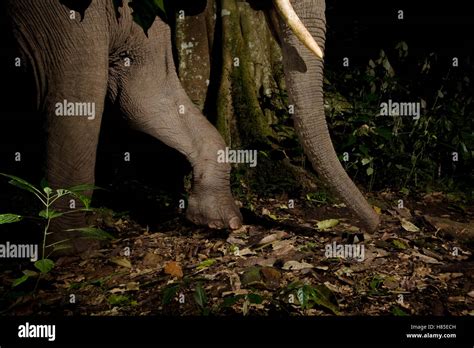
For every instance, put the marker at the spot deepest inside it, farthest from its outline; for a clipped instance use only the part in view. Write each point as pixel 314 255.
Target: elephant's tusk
pixel 290 17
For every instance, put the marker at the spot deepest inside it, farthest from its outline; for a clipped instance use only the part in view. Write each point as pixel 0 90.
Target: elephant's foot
pixel 70 242
pixel 68 245
pixel 215 210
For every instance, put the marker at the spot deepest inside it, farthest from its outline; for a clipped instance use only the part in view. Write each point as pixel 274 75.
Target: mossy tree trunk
pixel 231 66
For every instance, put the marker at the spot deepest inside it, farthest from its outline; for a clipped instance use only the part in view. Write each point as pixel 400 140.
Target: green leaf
pixel 61 192
pixel 169 293
pixel 324 297
pixel 62 246
pixel 327 224
pixel 76 191
pixel 9 218
pixel 398 244
pixel 30 273
pixel 255 298
pixel 20 280
pixel 399 312
pixel 44 265
pixel 161 5
pixel 303 295
pixel 23 184
pixel 206 263
pixel 117 300
pixel 405 191
pixel 27 274
pixel 93 233
pixel 86 201
pixel 44 183
pixel 200 296
pixel 370 171
pixel 145 12
pixel 232 300
pixel 385 133
pixel 50 214
pixel 48 190
pixel 84 187
pixel 375 283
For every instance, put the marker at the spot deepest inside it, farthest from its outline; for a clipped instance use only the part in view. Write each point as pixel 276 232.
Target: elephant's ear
pixel 80 6
pixel 145 12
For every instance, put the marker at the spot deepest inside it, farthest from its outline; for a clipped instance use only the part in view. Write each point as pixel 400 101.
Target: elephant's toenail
pixel 235 223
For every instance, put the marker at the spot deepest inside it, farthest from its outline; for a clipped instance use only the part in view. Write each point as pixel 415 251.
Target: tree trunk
pixel 231 66
pixel 246 67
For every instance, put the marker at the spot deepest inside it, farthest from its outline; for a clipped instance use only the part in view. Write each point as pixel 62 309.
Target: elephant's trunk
pixel 304 77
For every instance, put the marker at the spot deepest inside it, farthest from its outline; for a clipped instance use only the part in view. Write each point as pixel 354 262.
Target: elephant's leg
pixel 71 154
pixel 74 107
pixel 210 202
pixel 69 58
pixel 150 94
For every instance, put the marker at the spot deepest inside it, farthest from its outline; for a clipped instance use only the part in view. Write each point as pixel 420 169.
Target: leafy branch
pixel 47 196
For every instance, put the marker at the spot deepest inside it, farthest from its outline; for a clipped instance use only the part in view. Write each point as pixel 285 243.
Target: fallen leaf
pixel 266 212
pixel 133 286
pixel 272 277
pixel 408 226
pixel 323 296
pixel 448 276
pixel 152 260
pixel 404 212
pixel 377 210
pixel 456 299
pixel 326 224
pixel 273 237
pixel 260 261
pixel 398 244
pixel 245 252
pixel 117 291
pixel 235 240
pixel 427 259
pixel 322 268
pixel 174 269
pixel 206 263
pixel 296 266
pixel 251 277
pixel 121 261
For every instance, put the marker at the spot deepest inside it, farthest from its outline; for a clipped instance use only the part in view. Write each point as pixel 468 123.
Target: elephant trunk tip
pixel 371 223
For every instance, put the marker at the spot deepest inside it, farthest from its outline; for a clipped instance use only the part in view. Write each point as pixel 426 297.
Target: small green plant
pixel 248 299
pixel 308 296
pixel 47 196
pixel 201 300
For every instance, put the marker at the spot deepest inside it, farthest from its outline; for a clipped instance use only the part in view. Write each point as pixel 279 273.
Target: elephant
pixel 81 62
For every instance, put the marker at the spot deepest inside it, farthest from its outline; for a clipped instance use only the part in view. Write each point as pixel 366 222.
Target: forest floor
pixel 419 262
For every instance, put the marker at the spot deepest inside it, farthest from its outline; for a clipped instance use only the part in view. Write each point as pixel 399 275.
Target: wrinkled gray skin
pixel 83 61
